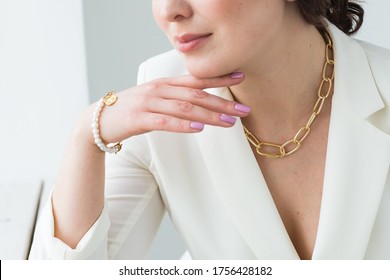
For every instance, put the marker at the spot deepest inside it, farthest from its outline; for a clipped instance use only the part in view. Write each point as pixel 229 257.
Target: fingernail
pixel 236 75
pixel 227 118
pixel 197 125
pixel 242 108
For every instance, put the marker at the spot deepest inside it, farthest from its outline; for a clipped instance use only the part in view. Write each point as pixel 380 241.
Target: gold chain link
pixel 291 146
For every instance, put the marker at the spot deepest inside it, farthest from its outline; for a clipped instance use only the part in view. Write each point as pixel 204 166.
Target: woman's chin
pixel 205 72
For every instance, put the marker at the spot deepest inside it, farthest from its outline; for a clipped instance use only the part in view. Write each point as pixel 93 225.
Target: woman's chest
pixel 296 183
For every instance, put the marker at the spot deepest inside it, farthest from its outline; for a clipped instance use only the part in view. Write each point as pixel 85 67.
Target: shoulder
pixel 376 53
pixel 167 64
pixel 364 70
pixel 379 61
pixel 352 49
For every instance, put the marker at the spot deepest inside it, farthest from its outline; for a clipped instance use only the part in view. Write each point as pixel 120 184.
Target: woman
pixel 284 156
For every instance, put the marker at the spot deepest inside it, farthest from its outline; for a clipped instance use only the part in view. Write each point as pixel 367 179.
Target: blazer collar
pixel 352 186
pixel 354 80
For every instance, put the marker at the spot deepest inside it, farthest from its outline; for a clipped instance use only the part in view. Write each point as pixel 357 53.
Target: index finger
pixel 214 82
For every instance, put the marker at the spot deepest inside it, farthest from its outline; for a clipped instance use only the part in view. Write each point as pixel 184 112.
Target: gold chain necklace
pixel 291 146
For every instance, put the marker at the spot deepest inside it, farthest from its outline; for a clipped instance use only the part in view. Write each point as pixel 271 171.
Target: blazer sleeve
pixel 131 216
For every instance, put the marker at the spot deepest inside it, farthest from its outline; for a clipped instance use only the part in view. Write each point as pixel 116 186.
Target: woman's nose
pixel 175 10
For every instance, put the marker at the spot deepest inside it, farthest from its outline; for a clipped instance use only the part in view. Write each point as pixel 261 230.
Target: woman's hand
pixel 177 104
pixel 170 104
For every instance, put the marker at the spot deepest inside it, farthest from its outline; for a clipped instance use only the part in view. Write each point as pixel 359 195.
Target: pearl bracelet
pixel 109 99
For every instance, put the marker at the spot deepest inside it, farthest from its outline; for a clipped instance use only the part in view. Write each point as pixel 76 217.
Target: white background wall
pixel 43 85
pixel 120 35
pixel 45 56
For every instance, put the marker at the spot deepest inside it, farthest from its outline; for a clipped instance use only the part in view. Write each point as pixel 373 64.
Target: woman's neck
pixel 281 85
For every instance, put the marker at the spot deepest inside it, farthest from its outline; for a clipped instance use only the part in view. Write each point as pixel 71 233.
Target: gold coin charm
pixel 110 98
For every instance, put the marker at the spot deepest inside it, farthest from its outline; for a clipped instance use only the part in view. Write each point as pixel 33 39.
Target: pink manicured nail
pixel 227 118
pixel 236 75
pixel 197 125
pixel 242 108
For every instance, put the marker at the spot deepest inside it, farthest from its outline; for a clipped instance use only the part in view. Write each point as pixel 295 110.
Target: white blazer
pixel 216 195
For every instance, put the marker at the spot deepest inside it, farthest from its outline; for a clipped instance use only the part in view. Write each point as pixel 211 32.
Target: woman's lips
pixel 190 42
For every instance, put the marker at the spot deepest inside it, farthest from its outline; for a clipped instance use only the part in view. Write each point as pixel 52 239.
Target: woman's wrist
pixel 82 136
pixel 108 100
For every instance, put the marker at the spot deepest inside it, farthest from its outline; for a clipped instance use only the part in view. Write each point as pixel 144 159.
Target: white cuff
pixel 93 245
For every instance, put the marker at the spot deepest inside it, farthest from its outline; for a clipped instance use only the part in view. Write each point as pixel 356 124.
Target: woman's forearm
pixel 78 195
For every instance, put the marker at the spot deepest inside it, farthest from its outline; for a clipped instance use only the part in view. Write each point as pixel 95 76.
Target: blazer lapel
pixel 358 158
pixel 355 175
pixel 241 185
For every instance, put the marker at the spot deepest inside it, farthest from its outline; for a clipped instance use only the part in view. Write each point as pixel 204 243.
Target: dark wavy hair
pixel 347 15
